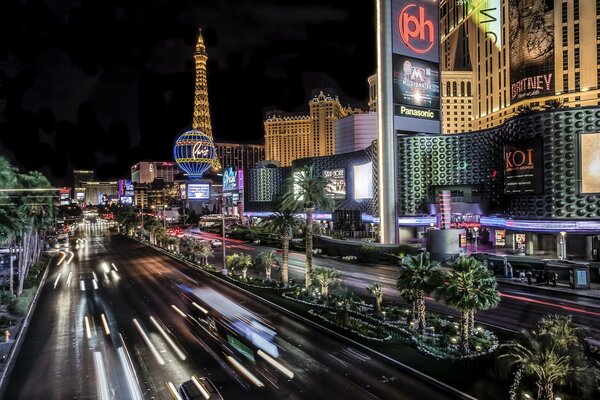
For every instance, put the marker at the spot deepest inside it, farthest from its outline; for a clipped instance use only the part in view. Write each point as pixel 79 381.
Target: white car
pixel 216 243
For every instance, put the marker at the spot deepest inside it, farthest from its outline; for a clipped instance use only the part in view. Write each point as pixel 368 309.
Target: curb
pixel 16 347
pixel 416 373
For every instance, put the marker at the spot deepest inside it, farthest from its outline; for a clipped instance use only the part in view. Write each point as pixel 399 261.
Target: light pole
pixel 164 216
pixel 563 245
pixel 476 229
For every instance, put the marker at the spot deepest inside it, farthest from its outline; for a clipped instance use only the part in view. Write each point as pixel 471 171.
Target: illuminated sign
pixel 198 191
pixel 336 183
pixel 80 196
pixel 500 237
pixel 488 14
pixel 126 200
pixel 523 167
pixel 531 31
pixel 415 27
pixel 230 180
pixel 590 162
pixel 416 87
pixel 200 150
pixel 363 181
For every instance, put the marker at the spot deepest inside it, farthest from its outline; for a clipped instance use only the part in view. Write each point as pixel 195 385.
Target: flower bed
pixel 353 325
pixel 260 283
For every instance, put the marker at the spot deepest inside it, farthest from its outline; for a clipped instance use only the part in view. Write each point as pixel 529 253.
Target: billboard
pixel 126 200
pixel 523 167
pixel 230 179
pixel 415 65
pixel 416 88
pixel 415 29
pixel 198 191
pixel 363 181
pixel 336 183
pixel 531 33
pixel 590 162
pixel 488 18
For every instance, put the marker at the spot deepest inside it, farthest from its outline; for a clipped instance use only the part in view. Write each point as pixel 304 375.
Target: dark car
pixel 199 389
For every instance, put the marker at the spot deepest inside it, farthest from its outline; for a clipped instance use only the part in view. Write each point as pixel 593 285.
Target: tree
pixel 468 286
pixel 204 251
pixel 324 278
pixel 284 223
pixel 307 190
pixel 419 273
pixel 377 292
pixel 245 262
pixel 268 260
pixel 232 261
pixel 410 296
pixel 553 353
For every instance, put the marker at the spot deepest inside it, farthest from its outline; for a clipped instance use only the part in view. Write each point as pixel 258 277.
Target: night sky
pixel 102 84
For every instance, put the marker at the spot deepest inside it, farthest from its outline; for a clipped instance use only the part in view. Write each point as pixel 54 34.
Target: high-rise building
pixel 355 132
pixel 292 136
pixel 148 171
pixel 240 155
pixel 80 175
pixel 522 54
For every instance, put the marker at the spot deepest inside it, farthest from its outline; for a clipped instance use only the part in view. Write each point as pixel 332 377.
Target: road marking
pixel 344 363
pixel 57 279
pixel 156 354
pixel 87 328
pixel 106 329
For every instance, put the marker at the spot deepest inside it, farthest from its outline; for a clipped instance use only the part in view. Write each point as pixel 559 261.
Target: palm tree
pixel 561 329
pixel 537 356
pixel 410 296
pixel 468 287
pixel 419 273
pixel 268 260
pixel 307 189
pixel 377 292
pixel 245 262
pixel 284 222
pixel 324 278
pixel 232 261
pixel 205 251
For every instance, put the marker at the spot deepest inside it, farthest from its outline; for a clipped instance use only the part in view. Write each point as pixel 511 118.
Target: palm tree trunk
pixel 421 310
pixel 284 261
pixel 414 310
pixel 471 322
pixel 268 273
pixel 545 391
pixel 378 300
pixel 464 331
pixel 309 245
pixel 325 291
pixel 244 273
pixel 12 271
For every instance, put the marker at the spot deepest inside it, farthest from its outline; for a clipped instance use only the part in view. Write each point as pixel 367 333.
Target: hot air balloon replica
pixel 195 154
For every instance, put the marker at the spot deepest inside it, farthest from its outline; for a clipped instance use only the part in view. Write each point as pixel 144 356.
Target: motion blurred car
pixel 199 388
pixel 216 243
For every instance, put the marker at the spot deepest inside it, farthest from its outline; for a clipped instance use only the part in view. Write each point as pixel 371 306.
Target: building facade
pixel 147 171
pixel 522 54
pixel 561 195
pixel 289 137
pixel 239 155
pixel 355 132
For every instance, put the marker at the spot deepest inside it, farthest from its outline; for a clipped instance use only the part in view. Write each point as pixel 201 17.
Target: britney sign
pixel 415 27
pixel 523 167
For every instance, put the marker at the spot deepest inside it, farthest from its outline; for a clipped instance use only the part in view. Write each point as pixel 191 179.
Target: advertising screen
pixel 230 179
pixel 590 163
pixel 416 88
pixel 80 196
pixel 523 167
pixel 336 183
pixel 531 32
pixel 363 181
pixel 126 200
pixel 488 18
pixel 415 29
pixel 198 191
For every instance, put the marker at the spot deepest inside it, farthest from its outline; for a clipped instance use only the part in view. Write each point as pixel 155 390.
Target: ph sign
pixel 416 29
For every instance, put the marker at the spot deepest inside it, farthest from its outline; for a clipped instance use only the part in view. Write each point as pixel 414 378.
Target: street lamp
pixel 563 245
pixel 476 229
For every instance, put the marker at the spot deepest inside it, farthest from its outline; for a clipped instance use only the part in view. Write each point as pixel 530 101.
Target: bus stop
pixel 576 274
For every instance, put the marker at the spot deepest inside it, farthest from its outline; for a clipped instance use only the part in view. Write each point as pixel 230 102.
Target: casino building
pixel 523 164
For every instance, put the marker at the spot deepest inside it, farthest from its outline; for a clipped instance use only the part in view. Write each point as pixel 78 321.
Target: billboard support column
pixel 386 146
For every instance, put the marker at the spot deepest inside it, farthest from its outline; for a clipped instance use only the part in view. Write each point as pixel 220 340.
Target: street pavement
pixel 127 290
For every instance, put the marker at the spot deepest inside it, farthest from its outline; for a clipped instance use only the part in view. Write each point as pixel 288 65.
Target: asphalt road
pixel 62 359
pixel 520 307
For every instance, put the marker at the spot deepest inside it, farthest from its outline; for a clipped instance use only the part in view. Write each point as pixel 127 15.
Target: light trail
pixel 95 284
pixel 236 364
pixel 199 307
pixel 106 329
pixel 155 352
pixel 82 285
pixel 69 278
pixel 164 334
pixel 276 364
pixel 114 266
pixel 200 387
pixel 62 258
pixel 178 311
pixel 173 391
pixel 134 389
pixel 545 303
pixel 57 279
pixel 88 331
pixel 101 380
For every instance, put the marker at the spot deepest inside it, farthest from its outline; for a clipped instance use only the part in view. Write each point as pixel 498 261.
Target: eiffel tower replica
pixel 201 120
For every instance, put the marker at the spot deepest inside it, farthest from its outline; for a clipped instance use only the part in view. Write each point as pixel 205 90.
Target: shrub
pixel 369 254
